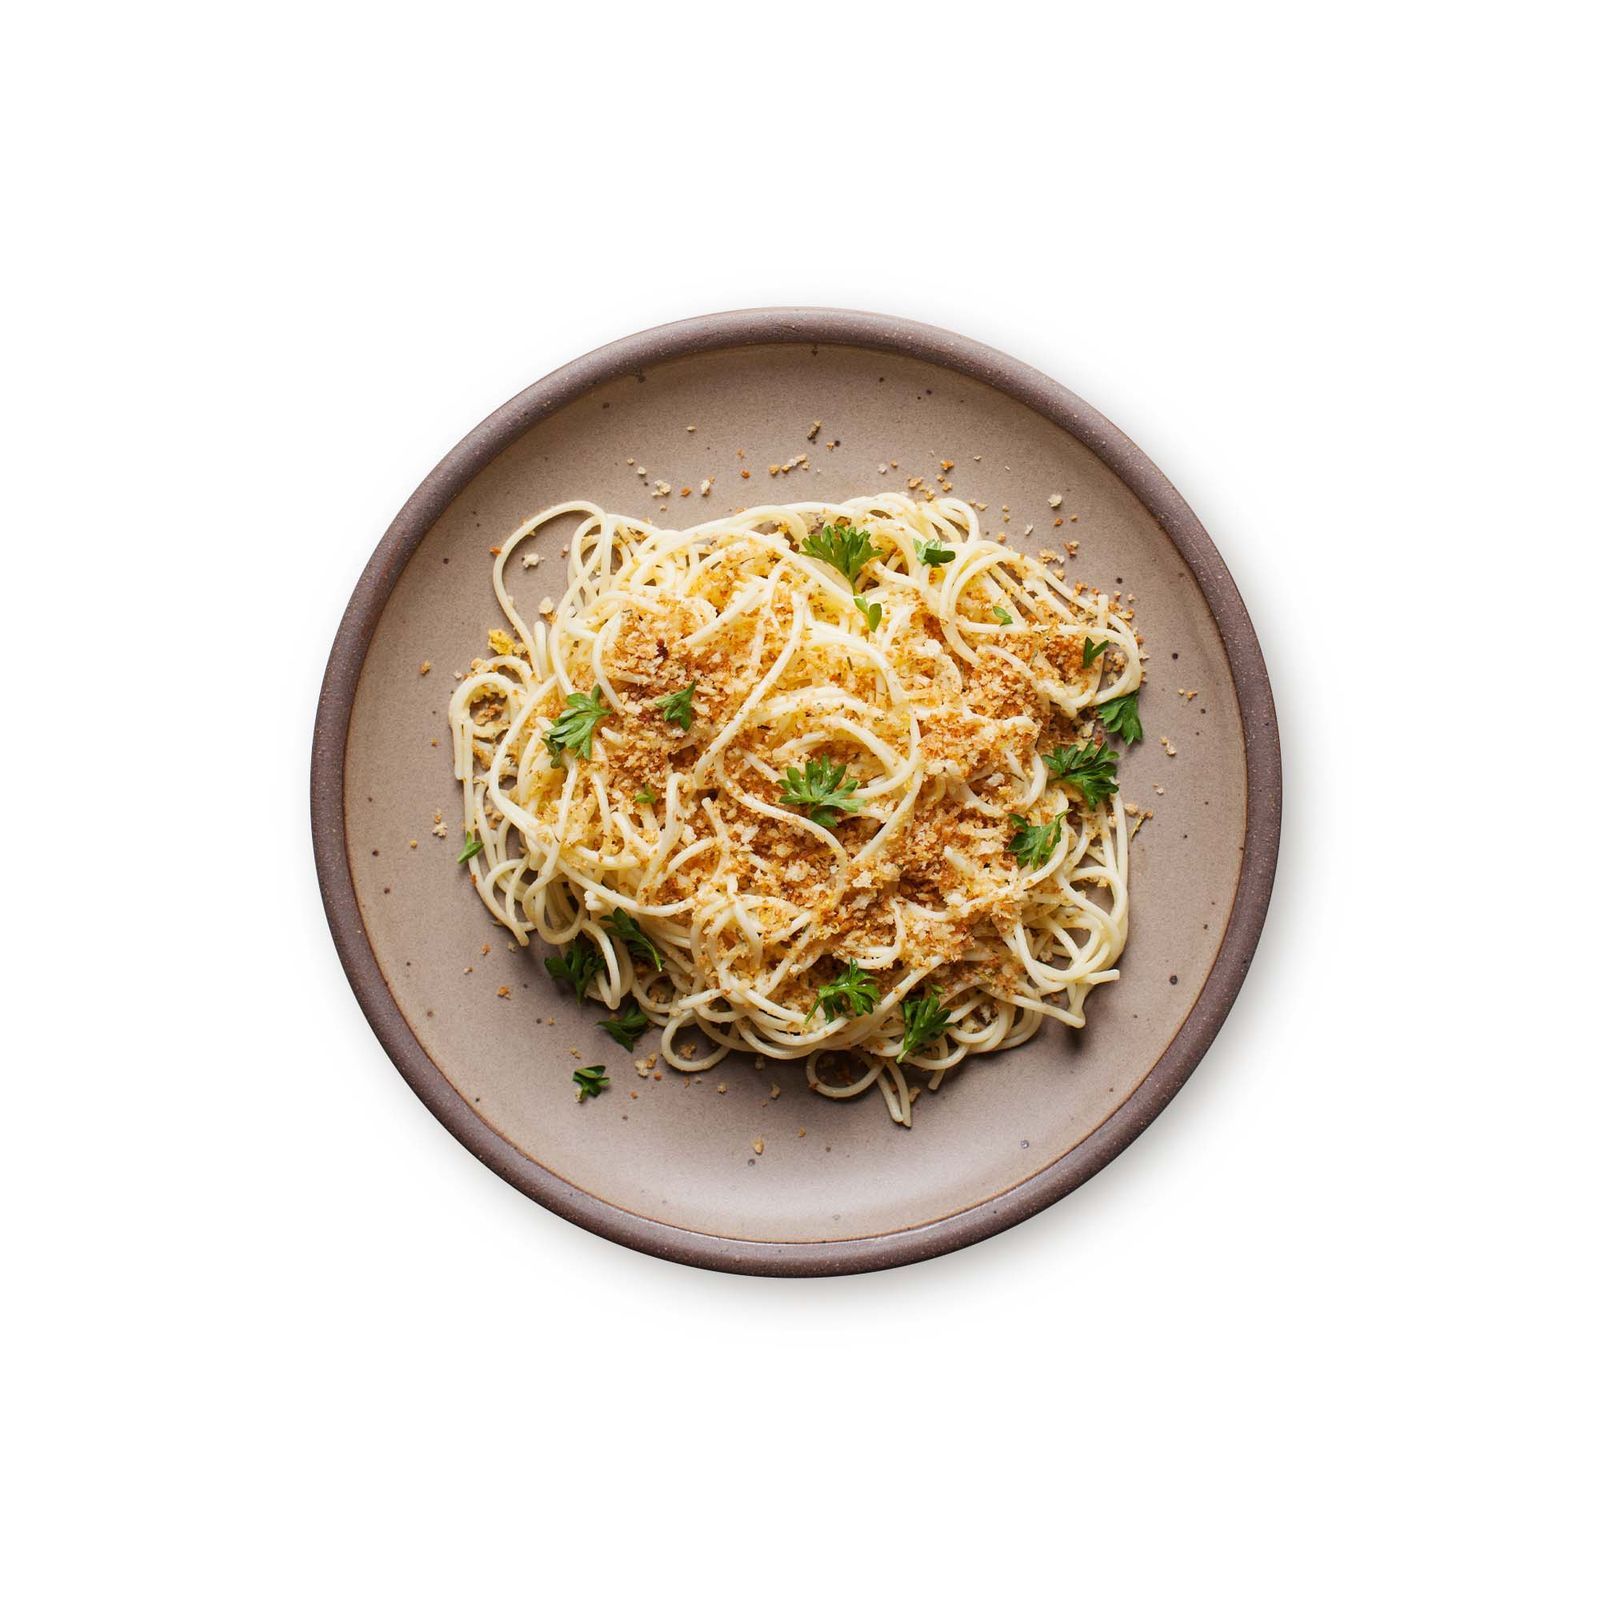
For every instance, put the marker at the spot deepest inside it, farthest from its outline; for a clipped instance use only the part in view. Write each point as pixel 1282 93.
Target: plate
pixel 765 1177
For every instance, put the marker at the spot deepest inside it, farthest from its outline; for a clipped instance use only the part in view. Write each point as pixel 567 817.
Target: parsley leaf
pixel 473 845
pixel 821 788
pixel 1093 648
pixel 578 964
pixel 1002 615
pixel 631 934
pixel 852 993
pixel 843 546
pixel 574 728
pixel 646 797
pixel 924 1019
pixel 678 708
pixel 873 613
pixel 1034 843
pixel 590 1081
pixel 626 1027
pixel 1122 716
pixel 932 553
pixel 1090 768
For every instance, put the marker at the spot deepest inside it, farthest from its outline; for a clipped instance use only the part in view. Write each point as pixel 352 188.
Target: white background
pixel 1327 1329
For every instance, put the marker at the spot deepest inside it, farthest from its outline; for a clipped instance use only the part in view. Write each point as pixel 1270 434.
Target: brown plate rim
pixel 796 325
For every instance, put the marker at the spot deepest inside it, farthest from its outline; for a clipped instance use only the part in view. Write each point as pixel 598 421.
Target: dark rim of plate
pixel 798 326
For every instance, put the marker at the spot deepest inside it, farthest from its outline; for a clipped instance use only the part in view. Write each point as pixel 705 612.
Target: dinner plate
pixel 740 1167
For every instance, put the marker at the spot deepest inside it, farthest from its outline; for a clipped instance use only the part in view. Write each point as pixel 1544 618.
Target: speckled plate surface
pixel 675 1170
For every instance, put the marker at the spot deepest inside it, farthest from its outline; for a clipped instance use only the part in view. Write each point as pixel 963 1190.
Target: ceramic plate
pixel 675 1171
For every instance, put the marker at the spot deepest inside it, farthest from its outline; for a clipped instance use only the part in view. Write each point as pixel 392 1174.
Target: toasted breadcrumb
pixel 424 669
pixel 758 1145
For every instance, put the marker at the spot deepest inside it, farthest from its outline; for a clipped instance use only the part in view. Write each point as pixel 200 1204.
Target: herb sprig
pixel 1090 768
pixel 1093 648
pixel 473 845
pixel 590 1081
pixel 1121 716
pixel 852 993
pixel 578 964
pixel 924 1020
pixel 574 728
pixel 626 1027
pixel 872 611
pixel 823 790
pixel 627 929
pixel 1034 843
pixel 1003 616
pixel 931 553
pixel 841 545
pixel 678 707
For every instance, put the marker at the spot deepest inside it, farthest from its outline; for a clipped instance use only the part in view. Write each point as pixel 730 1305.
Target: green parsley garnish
pixel 852 993
pixel 678 708
pixel 873 613
pixel 1090 768
pixel 843 546
pixel 1034 843
pixel 578 964
pixel 631 934
pixel 925 1019
pixel 1093 648
pixel 574 728
pixel 473 845
pixel 821 788
pixel 646 797
pixel 627 1027
pixel 1122 716
pixel 932 553
pixel 1002 615
pixel 590 1081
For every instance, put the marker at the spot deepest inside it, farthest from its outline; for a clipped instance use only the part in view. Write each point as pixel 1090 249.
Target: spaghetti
pixel 815 781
